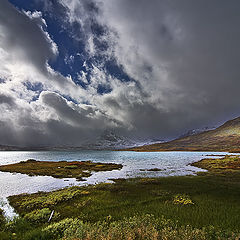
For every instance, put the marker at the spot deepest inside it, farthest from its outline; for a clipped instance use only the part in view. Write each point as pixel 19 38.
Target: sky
pixel 71 69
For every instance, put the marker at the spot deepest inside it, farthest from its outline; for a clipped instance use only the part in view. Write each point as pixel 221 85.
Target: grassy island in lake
pixel 61 169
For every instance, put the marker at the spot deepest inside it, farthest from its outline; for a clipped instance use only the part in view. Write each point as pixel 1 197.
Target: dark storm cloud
pixel 71 128
pixel 50 133
pixel 197 44
pixel 4 99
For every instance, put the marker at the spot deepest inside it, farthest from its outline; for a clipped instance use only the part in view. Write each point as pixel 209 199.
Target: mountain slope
pixel 223 138
pixel 195 131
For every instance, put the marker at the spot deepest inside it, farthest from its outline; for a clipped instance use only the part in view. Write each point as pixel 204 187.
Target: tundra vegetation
pixel 205 206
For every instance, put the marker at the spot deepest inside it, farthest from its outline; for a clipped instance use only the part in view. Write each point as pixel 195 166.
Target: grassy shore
pixel 2 220
pixel 188 207
pixel 61 169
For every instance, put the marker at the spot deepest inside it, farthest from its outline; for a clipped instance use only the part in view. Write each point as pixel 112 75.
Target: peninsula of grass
pixel 229 164
pixel 61 169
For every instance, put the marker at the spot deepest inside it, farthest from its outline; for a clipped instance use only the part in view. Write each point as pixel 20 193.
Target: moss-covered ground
pixel 187 207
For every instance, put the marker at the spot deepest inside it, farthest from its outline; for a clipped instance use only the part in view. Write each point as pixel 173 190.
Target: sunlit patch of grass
pixel 26 202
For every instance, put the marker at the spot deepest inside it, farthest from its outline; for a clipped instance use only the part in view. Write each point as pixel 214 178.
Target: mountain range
pixel 108 140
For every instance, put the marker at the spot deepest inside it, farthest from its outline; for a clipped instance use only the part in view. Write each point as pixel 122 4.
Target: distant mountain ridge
pixel 9 148
pixel 196 131
pixel 108 140
pixel 224 138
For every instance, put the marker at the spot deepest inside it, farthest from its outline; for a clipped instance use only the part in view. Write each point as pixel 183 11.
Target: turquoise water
pixel 170 163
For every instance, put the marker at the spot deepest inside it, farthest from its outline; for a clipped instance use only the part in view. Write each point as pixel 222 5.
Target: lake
pixel 170 163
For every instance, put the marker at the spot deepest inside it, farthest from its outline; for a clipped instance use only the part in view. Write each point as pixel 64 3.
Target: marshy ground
pixel 187 207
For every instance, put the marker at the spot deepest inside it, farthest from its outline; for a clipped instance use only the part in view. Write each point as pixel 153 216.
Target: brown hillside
pixel 223 138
